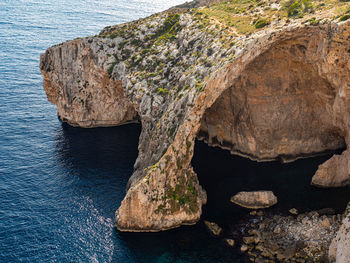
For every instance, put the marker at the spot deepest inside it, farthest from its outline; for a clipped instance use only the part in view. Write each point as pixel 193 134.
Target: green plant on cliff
pixel 344 17
pixel 183 195
pixel 162 91
pixel 169 28
pixel 298 7
pixel 260 23
pixel 110 69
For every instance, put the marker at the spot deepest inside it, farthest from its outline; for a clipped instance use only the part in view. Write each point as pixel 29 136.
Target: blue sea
pixel 60 186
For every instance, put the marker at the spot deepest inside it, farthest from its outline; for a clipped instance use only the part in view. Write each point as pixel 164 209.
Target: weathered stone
pixel 339 250
pixel 334 172
pixel 249 240
pixel 230 242
pixel 290 238
pixel 280 93
pixel 293 211
pixel 325 222
pixel 326 211
pixel 255 200
pixel 244 248
pixel 213 228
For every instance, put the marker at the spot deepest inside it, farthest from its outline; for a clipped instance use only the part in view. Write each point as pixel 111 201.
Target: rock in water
pixel 255 200
pixel 230 242
pixel 293 211
pixel 213 228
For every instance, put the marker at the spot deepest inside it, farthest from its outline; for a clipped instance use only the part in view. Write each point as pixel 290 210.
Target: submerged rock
pixel 255 200
pixel 213 228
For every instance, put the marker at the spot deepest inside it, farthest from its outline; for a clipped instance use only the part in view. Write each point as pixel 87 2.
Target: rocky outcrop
pixel 76 82
pixel 339 250
pixel 254 200
pixel 304 238
pixel 334 173
pixel 280 92
pixel 213 228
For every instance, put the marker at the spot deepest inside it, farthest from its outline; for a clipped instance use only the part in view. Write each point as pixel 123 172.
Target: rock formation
pixel 339 250
pixel 302 238
pixel 252 81
pixel 213 228
pixel 255 200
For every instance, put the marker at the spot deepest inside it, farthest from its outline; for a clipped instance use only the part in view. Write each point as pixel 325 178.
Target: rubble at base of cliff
pixel 302 238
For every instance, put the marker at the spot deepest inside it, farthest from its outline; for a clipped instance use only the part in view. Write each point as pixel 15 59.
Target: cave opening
pixel 270 129
pixel 223 175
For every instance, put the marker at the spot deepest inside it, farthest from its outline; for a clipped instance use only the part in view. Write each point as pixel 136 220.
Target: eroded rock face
pixel 254 200
pixel 276 93
pixel 278 108
pixel 339 250
pixel 85 96
pixel 333 173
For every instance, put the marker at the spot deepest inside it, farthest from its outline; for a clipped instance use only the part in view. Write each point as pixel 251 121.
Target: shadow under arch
pixel 223 175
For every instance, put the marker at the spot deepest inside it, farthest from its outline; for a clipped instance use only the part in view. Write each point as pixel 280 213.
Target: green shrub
pixel 110 69
pixel 162 91
pixel 298 7
pixel 344 17
pixel 260 23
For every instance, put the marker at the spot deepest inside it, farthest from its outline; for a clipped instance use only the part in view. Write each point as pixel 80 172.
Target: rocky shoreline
pixel 266 237
pixel 253 77
pixel 301 238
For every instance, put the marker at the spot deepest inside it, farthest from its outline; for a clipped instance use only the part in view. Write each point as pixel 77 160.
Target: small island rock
pixel 229 242
pixel 255 200
pixel 213 228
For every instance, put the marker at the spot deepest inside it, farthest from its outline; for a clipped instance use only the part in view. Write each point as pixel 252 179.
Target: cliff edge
pixel 263 79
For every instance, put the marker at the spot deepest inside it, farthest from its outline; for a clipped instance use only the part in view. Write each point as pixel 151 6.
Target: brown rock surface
pixel 255 200
pixel 213 228
pixel 278 93
pixel 85 96
pixel 339 250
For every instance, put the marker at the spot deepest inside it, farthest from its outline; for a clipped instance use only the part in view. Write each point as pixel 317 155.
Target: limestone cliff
pixel 241 75
pixel 339 251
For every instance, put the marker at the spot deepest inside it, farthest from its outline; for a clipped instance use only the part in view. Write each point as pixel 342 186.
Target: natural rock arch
pixel 164 191
pixel 317 49
pixel 278 108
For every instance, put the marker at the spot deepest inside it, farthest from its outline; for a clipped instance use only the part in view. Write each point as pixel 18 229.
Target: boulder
pixel 229 242
pixel 213 228
pixel 255 200
pixel 293 211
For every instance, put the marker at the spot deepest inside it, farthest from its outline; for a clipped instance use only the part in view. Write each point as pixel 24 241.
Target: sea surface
pixel 60 186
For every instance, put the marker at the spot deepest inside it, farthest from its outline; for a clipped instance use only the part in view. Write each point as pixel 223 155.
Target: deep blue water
pixel 60 186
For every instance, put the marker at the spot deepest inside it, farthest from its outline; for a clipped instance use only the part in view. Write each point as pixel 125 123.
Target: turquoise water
pixel 60 186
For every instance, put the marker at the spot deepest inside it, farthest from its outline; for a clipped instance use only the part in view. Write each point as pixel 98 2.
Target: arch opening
pixel 279 108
